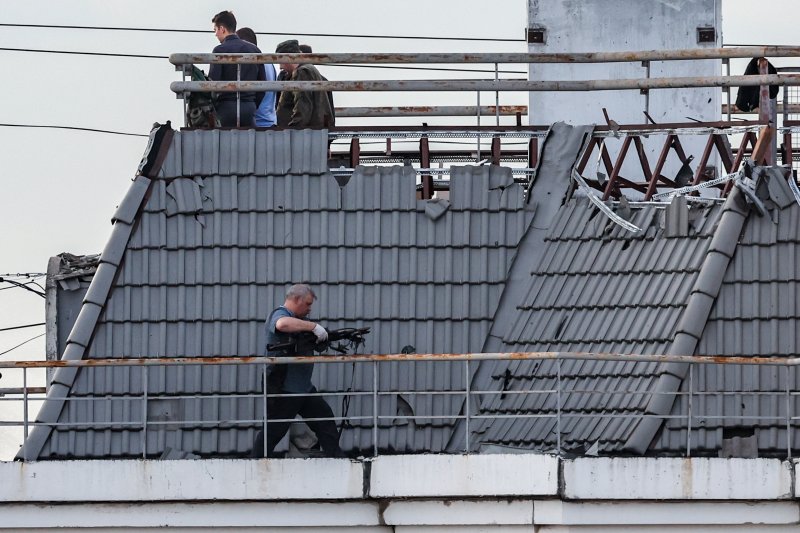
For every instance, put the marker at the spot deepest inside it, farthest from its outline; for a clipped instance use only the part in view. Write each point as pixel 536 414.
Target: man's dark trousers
pixel 286 408
pixel 226 113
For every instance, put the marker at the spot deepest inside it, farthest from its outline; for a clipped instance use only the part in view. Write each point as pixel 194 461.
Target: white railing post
pixel 375 408
pixel 25 412
pixel 264 401
pixel 466 406
pixel 144 412
pixel 689 413
pixel 788 416
pixel 558 407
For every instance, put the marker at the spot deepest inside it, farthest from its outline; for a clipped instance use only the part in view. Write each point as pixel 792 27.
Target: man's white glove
pixel 320 333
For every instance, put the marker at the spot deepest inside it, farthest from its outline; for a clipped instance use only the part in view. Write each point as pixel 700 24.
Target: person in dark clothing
pixel 283 324
pixel 265 112
pixel 748 98
pixel 230 43
pixel 283 75
pixel 303 109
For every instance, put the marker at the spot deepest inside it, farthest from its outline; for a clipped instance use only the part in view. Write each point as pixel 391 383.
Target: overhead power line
pixel 79 53
pixel 23 327
pixel 145 56
pixel 282 34
pixel 22 286
pixel 76 128
pixel 22 344
pixel 26 283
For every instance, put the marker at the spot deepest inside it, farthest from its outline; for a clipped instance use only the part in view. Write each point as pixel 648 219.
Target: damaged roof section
pixel 231 220
pixel 203 249
pixel 755 314
pixel 593 287
pixel 714 279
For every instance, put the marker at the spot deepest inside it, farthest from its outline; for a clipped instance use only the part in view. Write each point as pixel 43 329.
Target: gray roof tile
pixel 126 212
pixel 592 289
pixel 213 251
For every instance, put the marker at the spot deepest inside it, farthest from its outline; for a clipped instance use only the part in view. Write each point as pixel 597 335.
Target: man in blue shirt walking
pixel 283 325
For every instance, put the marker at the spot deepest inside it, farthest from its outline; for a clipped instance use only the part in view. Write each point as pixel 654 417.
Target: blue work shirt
pixel 298 376
pixel 265 114
pixel 252 72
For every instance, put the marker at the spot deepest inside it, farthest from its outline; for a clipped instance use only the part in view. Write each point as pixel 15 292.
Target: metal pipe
pixel 144 412
pixel 478 139
pixel 25 413
pixel 238 97
pixel 782 108
pixel 330 359
pixel 491 57
pixel 689 415
pixel 431 111
pixel 788 418
pixel 558 408
pixel 497 97
pixel 466 406
pixel 487 85
pixel 727 106
pixel 375 408
pixel 264 400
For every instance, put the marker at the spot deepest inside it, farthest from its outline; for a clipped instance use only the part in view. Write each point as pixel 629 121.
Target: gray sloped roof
pixel 593 287
pixel 756 314
pixel 203 251
pixel 713 280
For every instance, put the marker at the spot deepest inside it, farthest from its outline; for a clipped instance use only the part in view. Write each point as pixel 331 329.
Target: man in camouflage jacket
pixel 303 109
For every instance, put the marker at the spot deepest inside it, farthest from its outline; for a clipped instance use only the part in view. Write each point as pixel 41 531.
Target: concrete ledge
pixel 459 512
pixel 464 475
pixel 643 478
pixel 444 478
pixel 211 516
pixel 555 512
pixel 208 479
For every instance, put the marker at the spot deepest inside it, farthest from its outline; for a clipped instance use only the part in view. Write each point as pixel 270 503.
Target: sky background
pixel 59 188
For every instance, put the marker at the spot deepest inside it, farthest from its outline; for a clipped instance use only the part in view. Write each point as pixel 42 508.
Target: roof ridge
pixel 694 318
pixel 94 301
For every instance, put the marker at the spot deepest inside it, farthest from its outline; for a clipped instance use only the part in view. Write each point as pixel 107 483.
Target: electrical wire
pixel 22 343
pixel 75 128
pixel 76 52
pixel 22 286
pixel 145 56
pixel 23 327
pixel 26 283
pixel 284 34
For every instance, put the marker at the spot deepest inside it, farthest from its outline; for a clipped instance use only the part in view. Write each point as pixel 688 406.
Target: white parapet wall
pixel 403 494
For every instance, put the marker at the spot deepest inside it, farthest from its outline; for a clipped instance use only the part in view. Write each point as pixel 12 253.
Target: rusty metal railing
pixel 559 414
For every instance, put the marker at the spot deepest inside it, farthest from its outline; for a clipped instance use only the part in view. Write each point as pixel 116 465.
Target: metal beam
pixel 790 108
pixel 487 85
pixel 578 57
pixel 327 359
pixel 431 111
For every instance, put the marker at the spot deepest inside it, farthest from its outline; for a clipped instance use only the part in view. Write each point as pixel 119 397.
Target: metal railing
pixel 473 405
pixel 182 60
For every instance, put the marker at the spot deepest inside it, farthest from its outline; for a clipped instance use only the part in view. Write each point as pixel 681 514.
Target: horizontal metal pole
pixel 505 110
pixel 790 108
pixel 487 85
pixel 430 111
pixel 491 57
pixel 21 390
pixel 491 356
pixel 526 132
